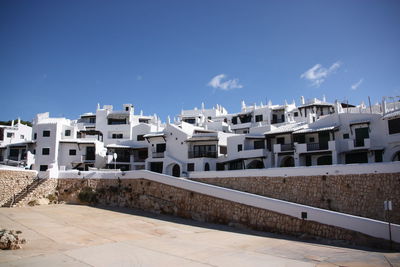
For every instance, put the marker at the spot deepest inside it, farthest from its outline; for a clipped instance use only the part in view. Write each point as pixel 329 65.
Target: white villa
pixel 15 143
pixel 315 132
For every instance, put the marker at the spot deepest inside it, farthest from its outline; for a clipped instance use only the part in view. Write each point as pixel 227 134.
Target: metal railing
pixel 157 154
pixel 317 146
pixel 202 154
pixel 359 142
pixel 287 147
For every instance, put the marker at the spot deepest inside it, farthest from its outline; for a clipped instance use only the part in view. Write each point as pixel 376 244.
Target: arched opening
pixel 176 170
pixel 324 160
pixel 287 162
pixel 396 156
pixel 255 164
pixel 206 167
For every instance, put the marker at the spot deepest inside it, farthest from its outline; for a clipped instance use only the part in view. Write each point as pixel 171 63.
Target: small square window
pixel 22 136
pixel 46 133
pixel 67 132
pixel 10 135
pixel 240 147
pixel 45 151
pixel 140 137
pixel 312 139
pixel 190 167
pixel 72 152
pixel 259 118
pixel 296 114
pixel 43 168
pixel 346 136
pixel 117 136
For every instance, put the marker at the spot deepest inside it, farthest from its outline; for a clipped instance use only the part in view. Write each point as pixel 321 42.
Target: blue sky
pixel 66 56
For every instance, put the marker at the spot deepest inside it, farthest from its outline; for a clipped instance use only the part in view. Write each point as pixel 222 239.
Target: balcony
pixel 202 154
pixel 90 157
pixel 311 147
pixel 358 144
pixel 278 148
pixel 157 155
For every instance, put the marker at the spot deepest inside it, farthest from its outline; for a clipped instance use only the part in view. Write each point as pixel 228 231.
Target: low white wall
pixel 363 225
pixel 340 169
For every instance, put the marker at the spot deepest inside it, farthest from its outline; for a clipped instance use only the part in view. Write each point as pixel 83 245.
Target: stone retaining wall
pixel 161 198
pixel 13 182
pixel 48 187
pixel 360 195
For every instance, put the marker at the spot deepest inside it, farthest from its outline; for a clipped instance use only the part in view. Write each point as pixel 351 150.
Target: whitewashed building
pixel 16 144
pixel 259 136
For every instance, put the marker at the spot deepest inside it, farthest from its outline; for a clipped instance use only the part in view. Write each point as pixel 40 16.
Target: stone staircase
pixel 14 200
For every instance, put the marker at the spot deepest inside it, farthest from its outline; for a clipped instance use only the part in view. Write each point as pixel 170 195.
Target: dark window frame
pixel 46 151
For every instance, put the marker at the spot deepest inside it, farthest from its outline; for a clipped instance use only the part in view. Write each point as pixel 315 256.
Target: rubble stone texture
pixel 362 195
pixel 9 239
pixel 161 198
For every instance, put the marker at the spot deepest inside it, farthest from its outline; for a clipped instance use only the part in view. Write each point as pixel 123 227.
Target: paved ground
pixel 66 235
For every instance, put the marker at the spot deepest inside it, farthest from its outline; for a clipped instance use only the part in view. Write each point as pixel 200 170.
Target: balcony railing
pixel 202 154
pixel 287 147
pixel 359 142
pixel 139 159
pixel 317 146
pixel 157 154
pixel 89 157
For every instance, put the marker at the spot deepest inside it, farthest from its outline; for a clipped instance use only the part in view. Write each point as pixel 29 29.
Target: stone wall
pixel 13 182
pixel 161 198
pixel 48 187
pixel 360 195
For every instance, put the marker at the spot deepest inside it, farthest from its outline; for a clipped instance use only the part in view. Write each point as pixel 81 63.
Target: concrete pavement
pixel 71 235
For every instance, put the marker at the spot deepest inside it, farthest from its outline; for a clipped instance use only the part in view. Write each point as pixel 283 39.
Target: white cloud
pixel 357 84
pixel 218 83
pixel 318 74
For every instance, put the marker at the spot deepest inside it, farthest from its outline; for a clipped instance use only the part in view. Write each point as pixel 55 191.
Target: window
pixel 209 117
pixel 46 133
pixel 280 140
pixel 160 148
pixel 10 135
pixel 191 121
pixel 296 114
pixel 259 118
pixel 190 167
pixel 346 136
pixel 45 151
pixel 259 144
pixel 394 126
pixel 117 136
pixel 234 120
pixel 34 136
pixel 72 152
pixel 223 150
pixel 312 139
pixel 240 147
pixel 22 136
pixel 140 137
pixel 34 152
pixel 92 120
pixel 43 168
pixel 67 132
pixel 378 155
pixel 116 121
